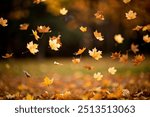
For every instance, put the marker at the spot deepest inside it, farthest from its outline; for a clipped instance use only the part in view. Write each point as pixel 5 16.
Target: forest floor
pixel 22 79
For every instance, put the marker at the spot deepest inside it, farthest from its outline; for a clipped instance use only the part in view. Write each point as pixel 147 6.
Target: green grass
pixel 38 68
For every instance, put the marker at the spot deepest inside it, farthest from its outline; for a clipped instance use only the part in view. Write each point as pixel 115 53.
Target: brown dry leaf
pixel 3 22
pixel 115 55
pixel 27 74
pixel 134 48
pixel 98 35
pixel 146 38
pixel 7 55
pixel 43 29
pixel 80 51
pixel 131 15
pixel 124 58
pixel 116 94
pixel 66 95
pixel 137 28
pixel 24 26
pixel 138 59
pixel 88 67
pixel 76 60
pixel 99 15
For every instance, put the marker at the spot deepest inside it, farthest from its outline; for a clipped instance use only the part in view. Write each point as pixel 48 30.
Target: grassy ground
pixel 73 81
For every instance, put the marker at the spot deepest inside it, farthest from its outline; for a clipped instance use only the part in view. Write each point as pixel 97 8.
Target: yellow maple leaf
pixel 7 55
pixel 98 76
pixel 47 81
pixel 126 1
pixel 32 47
pixel 55 43
pixel 63 11
pixel 3 22
pixel 95 54
pixel 112 70
pixel 35 35
pixel 98 35
pixel 83 29
pixel 130 15
pixel 29 97
pixel 118 38
pixel 147 27
pixel 80 51
pixel 146 38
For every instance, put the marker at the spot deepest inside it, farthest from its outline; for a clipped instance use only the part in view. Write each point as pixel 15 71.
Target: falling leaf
pixel 134 48
pixel 29 97
pixel 130 15
pixel 126 1
pixel 55 43
pixel 124 58
pixel 137 28
pixel 118 38
pixel 146 38
pixel 146 28
pixel 43 29
pixel 83 29
pixel 88 67
pixel 76 60
pixel 38 1
pixel 63 11
pixel 98 35
pixel 3 22
pixel 98 76
pixel 35 34
pixel 57 63
pixel 95 54
pixel 99 15
pixel 138 59
pixel 112 70
pixel 115 55
pixel 26 74
pixel 32 47
pixel 7 55
pixel 80 51
pixel 24 26
pixel 47 81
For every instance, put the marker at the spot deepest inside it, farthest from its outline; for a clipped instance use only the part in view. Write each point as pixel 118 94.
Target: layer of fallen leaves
pixel 77 86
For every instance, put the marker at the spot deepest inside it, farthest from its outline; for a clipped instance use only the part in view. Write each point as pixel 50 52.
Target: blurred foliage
pixel 81 12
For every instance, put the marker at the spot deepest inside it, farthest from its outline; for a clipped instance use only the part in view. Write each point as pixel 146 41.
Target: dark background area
pixel 81 12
